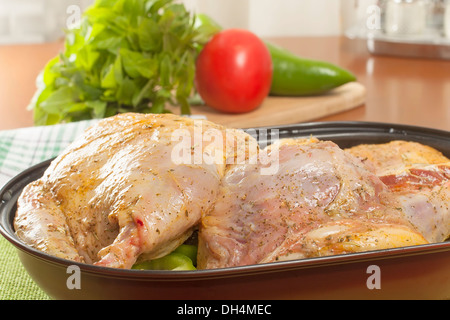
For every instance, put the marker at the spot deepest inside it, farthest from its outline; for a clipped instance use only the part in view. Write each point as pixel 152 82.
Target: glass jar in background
pixel 405 17
pixel 435 18
pixel 447 19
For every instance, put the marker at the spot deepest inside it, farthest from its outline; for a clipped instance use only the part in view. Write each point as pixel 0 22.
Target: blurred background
pixel 36 21
pixel 363 36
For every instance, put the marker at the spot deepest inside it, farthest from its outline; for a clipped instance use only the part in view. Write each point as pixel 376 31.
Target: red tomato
pixel 234 71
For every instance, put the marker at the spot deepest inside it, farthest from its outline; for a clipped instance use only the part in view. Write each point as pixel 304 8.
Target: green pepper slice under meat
pixel 182 258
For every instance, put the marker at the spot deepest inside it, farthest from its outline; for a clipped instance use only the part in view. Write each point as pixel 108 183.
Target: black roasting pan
pixel 416 272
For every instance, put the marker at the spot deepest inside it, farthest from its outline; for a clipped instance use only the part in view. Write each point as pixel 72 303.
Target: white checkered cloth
pixel 25 147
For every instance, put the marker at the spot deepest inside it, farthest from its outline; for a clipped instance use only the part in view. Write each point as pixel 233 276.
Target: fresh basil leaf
pixel 58 100
pixel 109 79
pixel 108 41
pixel 112 74
pixel 125 91
pixel 136 64
pixel 165 70
pixel 145 93
pixel 49 73
pixel 153 6
pixel 76 107
pixel 148 35
pixel 98 108
pixel 87 57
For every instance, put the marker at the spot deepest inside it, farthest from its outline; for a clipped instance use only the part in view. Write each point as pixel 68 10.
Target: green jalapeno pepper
pixel 189 251
pixel 182 258
pixel 296 76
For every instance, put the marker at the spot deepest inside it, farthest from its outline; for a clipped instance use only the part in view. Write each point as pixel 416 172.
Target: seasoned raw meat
pixel 396 156
pixel 420 178
pixel 424 195
pixel 136 186
pixel 322 201
pixel 131 187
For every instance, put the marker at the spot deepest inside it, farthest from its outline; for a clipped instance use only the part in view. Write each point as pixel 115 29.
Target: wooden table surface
pixel 399 90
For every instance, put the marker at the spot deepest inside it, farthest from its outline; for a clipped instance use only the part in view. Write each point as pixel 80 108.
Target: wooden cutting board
pixel 289 110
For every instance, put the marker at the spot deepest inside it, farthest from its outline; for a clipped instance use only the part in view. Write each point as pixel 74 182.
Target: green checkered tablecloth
pixel 20 149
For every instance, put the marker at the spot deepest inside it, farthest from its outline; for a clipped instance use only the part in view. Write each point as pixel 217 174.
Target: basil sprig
pixel 126 56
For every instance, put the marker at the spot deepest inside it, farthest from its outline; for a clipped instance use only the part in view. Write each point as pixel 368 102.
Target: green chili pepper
pixel 173 261
pixel 296 76
pixel 189 251
pixel 182 258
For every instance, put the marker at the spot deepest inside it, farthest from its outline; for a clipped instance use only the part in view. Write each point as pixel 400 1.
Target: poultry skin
pixel 420 178
pixel 115 194
pixel 322 201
